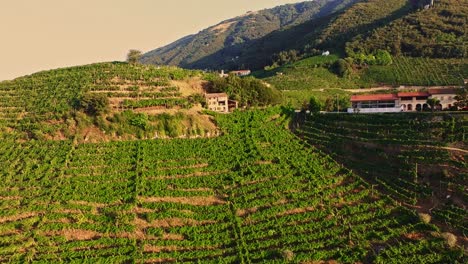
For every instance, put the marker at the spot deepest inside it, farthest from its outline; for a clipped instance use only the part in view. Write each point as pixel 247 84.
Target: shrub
pixel 140 120
pixel 450 239
pixel 314 105
pixel 94 104
pixel 425 218
pixel 287 255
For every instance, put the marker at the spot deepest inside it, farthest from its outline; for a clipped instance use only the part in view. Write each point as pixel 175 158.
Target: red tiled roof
pixel 442 91
pixel 373 97
pixel 413 94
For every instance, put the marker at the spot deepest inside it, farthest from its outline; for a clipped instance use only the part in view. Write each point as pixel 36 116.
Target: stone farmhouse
pixel 402 102
pixel 219 102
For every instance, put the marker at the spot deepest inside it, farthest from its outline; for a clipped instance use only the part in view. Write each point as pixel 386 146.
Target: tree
pixel 94 104
pixel 134 56
pixel 462 98
pixel 383 57
pixel 433 102
pixel 314 105
pixel 343 68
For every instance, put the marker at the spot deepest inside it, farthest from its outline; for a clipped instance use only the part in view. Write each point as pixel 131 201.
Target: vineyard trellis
pixel 246 196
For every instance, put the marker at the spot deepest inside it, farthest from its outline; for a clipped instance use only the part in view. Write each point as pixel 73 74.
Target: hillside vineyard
pixel 255 194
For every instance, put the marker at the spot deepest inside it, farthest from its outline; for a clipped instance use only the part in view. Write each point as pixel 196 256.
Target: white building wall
pixel 375 110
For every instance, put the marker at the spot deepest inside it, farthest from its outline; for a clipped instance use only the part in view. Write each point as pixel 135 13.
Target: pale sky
pixel 46 34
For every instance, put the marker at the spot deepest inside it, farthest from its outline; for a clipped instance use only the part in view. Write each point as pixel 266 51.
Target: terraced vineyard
pixel 50 93
pixel 47 104
pixel 419 71
pixel 256 194
pixel 417 159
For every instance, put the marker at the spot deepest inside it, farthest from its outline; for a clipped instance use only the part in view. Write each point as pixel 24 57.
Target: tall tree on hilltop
pixel 134 56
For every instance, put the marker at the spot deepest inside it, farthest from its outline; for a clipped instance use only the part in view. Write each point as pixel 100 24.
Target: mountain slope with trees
pixel 225 41
pixel 356 29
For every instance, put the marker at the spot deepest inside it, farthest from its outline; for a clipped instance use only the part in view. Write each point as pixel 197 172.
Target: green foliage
pixel 314 105
pixel 438 32
pixel 418 71
pixel 368 31
pixel 433 102
pixel 245 40
pixel 245 196
pixel 166 102
pixel 134 56
pixel 462 98
pixel 337 103
pixel 140 120
pixel 383 57
pixel 94 104
pixel 343 68
pixel 285 57
pixel 381 141
pixel 247 91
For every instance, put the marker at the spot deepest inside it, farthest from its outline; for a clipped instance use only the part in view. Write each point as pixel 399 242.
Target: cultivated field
pixel 255 194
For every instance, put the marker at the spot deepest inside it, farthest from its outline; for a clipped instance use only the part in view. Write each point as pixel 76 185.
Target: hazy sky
pixel 44 34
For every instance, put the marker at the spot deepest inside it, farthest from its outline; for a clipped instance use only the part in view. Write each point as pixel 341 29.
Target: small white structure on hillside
pixel 241 73
pixel 326 53
pixel 223 75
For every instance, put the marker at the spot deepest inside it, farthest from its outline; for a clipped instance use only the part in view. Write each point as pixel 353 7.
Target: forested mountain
pixel 350 28
pixel 225 41
pixel 438 32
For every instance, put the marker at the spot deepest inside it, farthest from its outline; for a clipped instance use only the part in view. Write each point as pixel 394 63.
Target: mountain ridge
pixel 231 33
pixel 350 28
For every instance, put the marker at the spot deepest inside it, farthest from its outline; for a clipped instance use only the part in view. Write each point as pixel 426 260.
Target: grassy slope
pixel 243 197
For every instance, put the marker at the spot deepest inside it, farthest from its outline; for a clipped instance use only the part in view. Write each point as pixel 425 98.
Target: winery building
pixel 402 102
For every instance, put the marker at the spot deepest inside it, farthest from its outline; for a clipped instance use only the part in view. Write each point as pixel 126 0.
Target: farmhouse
pixel 402 102
pixel 223 75
pixel 375 103
pixel 241 73
pixel 218 102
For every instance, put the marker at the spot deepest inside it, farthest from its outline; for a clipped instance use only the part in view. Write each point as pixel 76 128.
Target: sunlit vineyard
pixel 417 159
pixel 47 105
pixel 419 71
pixel 50 94
pixel 255 194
